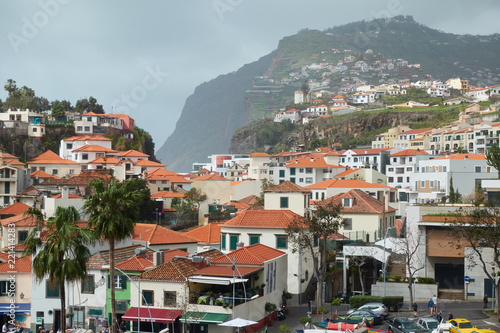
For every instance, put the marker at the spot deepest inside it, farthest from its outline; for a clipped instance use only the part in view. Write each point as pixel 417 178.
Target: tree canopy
pixel 90 104
pixel 493 157
pixel 23 98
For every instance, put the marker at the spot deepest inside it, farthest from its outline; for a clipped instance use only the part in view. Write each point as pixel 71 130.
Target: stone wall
pixel 423 292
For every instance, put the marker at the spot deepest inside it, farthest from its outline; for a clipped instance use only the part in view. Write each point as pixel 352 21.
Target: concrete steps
pixel 451 294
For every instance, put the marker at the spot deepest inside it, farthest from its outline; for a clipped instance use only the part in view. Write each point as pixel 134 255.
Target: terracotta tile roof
pixel 4 256
pixel 347 172
pixel 167 194
pixel 210 176
pixel 49 157
pixel 17 248
pixel 227 271
pixel 459 156
pixel 70 196
pixel 168 254
pixel 105 160
pixel 98 259
pixel 333 153
pixel 148 163
pixel 263 219
pixel 287 186
pixel 31 191
pixel 256 254
pixel 13 162
pixel 42 175
pixel 8 156
pixel 177 179
pixel 96 148
pixel 368 151
pixel 132 153
pixel 362 202
pixel 155 234
pixel 204 170
pixel 23 265
pixel 15 209
pixel 138 263
pixel 210 254
pixel 238 205
pixel 323 149
pixel 161 172
pixel 208 234
pixel 88 137
pixel 85 177
pixel 346 183
pixel 409 152
pixel 250 200
pixel 311 161
pixel 175 270
pixel 416 131
pixel 20 220
pixel 236 182
pixel 259 155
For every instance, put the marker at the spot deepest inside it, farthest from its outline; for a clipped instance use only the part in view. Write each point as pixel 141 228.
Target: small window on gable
pixel 284 202
pixel 347 202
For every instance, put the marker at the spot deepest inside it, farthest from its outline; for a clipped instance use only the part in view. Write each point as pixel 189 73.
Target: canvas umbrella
pixel 238 322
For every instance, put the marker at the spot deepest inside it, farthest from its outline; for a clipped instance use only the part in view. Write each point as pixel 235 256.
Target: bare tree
pixel 359 262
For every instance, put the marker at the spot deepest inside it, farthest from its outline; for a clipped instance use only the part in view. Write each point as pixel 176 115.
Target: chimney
pixel 312 159
pixel 206 219
pixel 65 192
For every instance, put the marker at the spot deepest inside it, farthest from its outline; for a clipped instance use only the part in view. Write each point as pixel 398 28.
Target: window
pixel 422 183
pixel 347 202
pixel 34 129
pixel 348 225
pixel 223 241
pixel 390 180
pixel 292 171
pixel 400 179
pixel 170 298
pixel 87 128
pixel 79 128
pixel 55 171
pixel 88 284
pixel 4 287
pixel 282 173
pixel 85 156
pixel 355 159
pixel 7 188
pixel 444 168
pixel 22 235
pixel 301 170
pixel 301 180
pixel 233 241
pixel 127 166
pixel 69 146
pixel 284 202
pixel 410 159
pixel 309 170
pixel 254 239
pixel 390 169
pixel 432 184
pixel 148 298
pixel 281 242
pixel 477 169
pixel 51 289
pixel 292 179
pixel 120 282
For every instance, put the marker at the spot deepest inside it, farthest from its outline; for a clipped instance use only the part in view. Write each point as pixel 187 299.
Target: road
pixel 472 311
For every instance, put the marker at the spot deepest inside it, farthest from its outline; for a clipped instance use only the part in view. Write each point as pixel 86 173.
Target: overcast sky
pixel 144 58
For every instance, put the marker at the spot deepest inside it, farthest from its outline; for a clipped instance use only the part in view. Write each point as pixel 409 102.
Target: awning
pixel 204 318
pixel 216 280
pixel 19 308
pixel 157 315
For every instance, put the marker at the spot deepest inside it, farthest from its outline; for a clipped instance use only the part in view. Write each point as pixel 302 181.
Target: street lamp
pixel 493 297
pixel 384 263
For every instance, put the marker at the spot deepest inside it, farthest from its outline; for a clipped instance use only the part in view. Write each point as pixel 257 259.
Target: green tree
pixel 493 158
pixel 191 201
pixel 145 204
pixel 310 234
pixel 85 105
pixel 112 211
pixel 195 197
pixel 60 252
pixel 265 185
pixel 57 111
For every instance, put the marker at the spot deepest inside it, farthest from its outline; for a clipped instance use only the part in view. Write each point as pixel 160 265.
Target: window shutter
pixel 123 282
pixel 108 282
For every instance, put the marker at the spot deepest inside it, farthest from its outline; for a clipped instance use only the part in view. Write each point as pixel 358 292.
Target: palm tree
pixel 112 211
pixel 59 249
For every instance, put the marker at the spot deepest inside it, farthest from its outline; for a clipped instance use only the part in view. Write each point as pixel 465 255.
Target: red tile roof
pixel 148 163
pixel 347 172
pixel 20 220
pixel 167 194
pixel 175 270
pixel 101 258
pixel 31 191
pixel 132 153
pixel 409 152
pixel 22 265
pixel 138 263
pixel 263 219
pixel 362 202
pixel 70 196
pixel 105 160
pixel 250 200
pixel 311 161
pixel 96 148
pixel 346 183
pixel 286 187
pixel 459 156
pixel 13 162
pixel 42 175
pixel 155 234
pixel 367 151
pixel 49 157
pixel 15 209
pixel 208 234
pixel 169 254
pixel 87 137
pixel 259 155
pixel 227 271
pixel 256 254
pixel 210 176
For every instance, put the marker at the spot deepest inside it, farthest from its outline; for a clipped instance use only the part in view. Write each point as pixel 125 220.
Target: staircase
pixel 451 294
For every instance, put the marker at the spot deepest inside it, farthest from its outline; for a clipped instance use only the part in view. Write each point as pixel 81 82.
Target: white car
pixel 375 307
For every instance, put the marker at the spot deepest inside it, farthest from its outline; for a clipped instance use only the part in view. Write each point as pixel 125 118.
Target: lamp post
pixel 384 264
pixel 493 296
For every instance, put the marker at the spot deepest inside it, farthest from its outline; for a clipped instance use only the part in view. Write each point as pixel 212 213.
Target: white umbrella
pixel 238 322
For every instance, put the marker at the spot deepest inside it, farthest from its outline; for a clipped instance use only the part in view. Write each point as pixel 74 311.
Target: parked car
pixel 377 318
pixel 428 324
pixel 345 296
pixel 461 325
pixel 402 325
pixel 375 307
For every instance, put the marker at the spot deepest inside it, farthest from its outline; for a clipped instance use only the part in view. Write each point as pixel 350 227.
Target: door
pixel 450 276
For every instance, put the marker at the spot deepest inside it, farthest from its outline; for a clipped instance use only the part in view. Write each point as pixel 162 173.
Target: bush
pixel 304 320
pixel 357 301
pixel 284 329
pixel 397 278
pixel 426 280
pixel 391 302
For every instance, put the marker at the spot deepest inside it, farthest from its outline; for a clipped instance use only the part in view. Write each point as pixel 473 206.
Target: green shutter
pixel 281 242
pixel 123 281
pixel 254 240
pixel 223 241
pixel 282 173
pixel 284 202
pixel 292 171
pixel 233 240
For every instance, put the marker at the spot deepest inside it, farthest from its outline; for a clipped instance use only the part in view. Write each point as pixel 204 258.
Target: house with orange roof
pixel 17 208
pixel 63 199
pixel 66 146
pixel 158 238
pixel 478 94
pixel 408 139
pixel 23 225
pixel 365 158
pixel 292 115
pixel 431 180
pixel 6 159
pixel 217 189
pixel 31 197
pixel 306 170
pixel 367 175
pixel 128 121
pixel 166 197
pixel 159 179
pixel 208 236
pixel 88 153
pixel 385 140
pixel 91 122
pixel 363 214
pixel 23 290
pixel 234 171
pixel 132 155
pixel 267 227
pixel 259 166
pixel 288 196
pixel 53 164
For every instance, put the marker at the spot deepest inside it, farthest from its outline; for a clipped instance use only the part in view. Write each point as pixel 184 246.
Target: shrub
pixel 322 309
pixel 391 302
pixel 304 320
pixel 357 301
pixel 396 278
pixel 426 280
pixel 284 329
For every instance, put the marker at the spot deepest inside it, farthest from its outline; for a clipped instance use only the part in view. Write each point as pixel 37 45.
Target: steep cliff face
pixel 357 128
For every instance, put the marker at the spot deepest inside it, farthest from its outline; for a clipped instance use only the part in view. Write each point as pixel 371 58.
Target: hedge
pixel 391 302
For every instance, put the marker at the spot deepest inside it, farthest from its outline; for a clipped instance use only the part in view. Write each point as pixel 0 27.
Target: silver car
pixel 428 324
pixel 375 307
